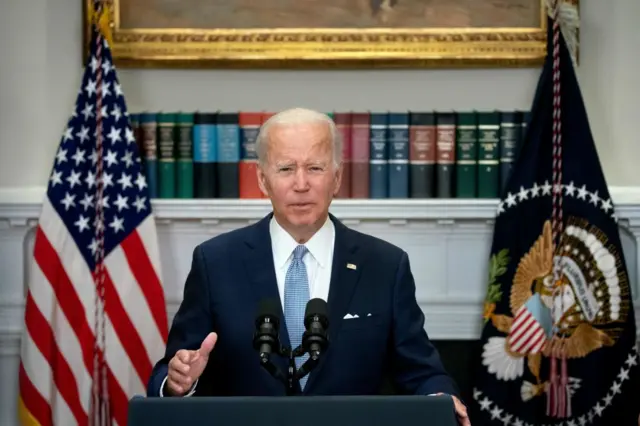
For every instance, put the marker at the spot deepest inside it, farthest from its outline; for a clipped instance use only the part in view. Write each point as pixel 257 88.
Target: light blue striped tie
pixel 296 296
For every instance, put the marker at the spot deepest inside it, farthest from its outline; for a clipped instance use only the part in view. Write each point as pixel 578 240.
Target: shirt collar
pixel 320 245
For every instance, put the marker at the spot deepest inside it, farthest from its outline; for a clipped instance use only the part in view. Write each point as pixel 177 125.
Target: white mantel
pixel 448 243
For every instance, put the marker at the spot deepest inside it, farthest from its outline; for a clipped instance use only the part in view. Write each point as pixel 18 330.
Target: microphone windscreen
pixel 268 308
pixel 317 307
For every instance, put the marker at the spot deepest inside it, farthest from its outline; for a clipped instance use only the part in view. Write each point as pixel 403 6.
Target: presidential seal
pixel 571 316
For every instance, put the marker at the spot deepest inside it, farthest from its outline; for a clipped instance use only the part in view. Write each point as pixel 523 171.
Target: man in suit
pixel 298 252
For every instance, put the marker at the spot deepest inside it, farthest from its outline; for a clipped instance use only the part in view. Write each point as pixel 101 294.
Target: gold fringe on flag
pixel 101 19
pixel 569 21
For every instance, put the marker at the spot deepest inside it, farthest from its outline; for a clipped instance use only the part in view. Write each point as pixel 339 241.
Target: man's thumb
pixel 208 343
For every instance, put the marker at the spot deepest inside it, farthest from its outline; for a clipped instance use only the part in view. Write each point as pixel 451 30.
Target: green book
pixel 489 154
pixel 149 141
pixel 467 155
pixel 166 154
pixel 184 174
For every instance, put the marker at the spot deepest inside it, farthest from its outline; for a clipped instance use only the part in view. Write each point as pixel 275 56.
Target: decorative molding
pixel 462 229
pixel 9 343
pixel 22 205
pixel 322 48
pixel 11 319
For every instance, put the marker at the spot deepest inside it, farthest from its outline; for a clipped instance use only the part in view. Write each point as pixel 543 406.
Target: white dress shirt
pixel 318 262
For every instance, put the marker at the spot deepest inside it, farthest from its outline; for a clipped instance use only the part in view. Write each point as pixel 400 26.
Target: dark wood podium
pixel 293 411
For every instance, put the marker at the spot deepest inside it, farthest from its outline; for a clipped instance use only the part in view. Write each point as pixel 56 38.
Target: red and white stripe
pixel 527 335
pixel 57 355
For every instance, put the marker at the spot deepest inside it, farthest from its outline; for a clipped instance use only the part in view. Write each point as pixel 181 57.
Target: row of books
pixel 433 154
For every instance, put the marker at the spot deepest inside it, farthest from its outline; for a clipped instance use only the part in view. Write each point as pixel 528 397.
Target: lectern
pixel 293 411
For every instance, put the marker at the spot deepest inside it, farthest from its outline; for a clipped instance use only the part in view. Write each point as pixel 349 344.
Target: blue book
pixel 205 154
pixel 228 155
pixel 398 149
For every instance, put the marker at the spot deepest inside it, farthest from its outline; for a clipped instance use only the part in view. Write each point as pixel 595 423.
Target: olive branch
pixel 497 267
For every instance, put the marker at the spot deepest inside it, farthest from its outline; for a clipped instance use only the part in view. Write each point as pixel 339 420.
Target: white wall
pixel 40 71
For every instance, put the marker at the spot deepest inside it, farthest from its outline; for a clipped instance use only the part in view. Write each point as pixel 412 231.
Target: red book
pixel 343 123
pixel 360 155
pixel 250 123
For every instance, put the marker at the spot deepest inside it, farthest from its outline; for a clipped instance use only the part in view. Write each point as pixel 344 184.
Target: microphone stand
pixel 289 381
pixel 306 367
pixel 315 343
pixel 294 375
pixel 291 377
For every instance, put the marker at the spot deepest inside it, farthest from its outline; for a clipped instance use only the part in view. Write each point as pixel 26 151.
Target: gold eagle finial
pixel 101 19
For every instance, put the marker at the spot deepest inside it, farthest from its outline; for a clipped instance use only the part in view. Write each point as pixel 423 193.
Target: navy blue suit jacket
pixel 232 272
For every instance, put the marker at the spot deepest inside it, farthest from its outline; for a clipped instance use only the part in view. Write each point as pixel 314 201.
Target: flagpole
pixel 558 404
pixel 100 414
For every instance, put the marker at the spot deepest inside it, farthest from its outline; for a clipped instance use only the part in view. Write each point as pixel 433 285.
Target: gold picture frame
pixel 322 48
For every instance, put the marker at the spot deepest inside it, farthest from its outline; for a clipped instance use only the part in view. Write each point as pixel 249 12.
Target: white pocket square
pixel 350 316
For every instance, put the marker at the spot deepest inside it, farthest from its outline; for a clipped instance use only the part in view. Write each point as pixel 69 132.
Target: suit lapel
pixel 344 277
pixel 345 273
pixel 258 262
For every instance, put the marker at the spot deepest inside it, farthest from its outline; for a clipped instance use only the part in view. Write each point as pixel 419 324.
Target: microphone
pixel 266 341
pixel 265 338
pixel 314 339
pixel 316 322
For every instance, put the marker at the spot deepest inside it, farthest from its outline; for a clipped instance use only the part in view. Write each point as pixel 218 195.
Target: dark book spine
pixel 379 156
pixel 148 127
pixel 205 153
pixel 398 147
pixel 228 155
pixel 360 155
pixel 466 155
pixel 343 124
pixel 134 121
pixel 488 154
pixel 510 129
pixel 524 125
pixel 445 154
pixel 184 178
pixel 422 154
pixel 167 155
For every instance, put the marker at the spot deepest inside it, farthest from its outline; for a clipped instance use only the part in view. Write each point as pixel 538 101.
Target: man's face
pixel 299 175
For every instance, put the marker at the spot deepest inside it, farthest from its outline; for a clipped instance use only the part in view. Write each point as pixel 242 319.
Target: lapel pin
pixel 351 266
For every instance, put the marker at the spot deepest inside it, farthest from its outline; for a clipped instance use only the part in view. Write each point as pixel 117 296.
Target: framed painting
pixel 327 33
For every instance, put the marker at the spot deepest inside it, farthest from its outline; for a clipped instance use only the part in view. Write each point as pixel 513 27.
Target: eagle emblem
pixel 566 315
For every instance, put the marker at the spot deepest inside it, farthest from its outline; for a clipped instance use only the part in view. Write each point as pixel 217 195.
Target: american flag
pixel 530 327
pixel 95 309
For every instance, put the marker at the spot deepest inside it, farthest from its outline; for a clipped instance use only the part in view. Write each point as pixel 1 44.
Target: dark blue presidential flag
pixel 558 344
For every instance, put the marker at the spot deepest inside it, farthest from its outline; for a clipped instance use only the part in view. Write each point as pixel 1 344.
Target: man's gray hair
pixel 299 116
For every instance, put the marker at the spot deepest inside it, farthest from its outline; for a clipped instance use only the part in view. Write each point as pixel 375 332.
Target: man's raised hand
pixel 186 366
